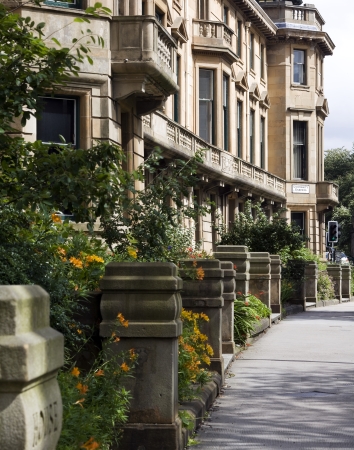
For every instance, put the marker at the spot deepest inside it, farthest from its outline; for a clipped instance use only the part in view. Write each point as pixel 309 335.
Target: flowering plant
pixel 194 352
pixel 95 403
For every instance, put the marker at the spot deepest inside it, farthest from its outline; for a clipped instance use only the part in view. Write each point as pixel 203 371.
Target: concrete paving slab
pixel 292 389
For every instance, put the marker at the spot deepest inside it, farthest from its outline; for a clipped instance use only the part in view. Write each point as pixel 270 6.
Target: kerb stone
pixel 31 354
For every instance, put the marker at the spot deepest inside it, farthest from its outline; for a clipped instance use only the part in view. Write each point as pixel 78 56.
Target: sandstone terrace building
pixel 240 78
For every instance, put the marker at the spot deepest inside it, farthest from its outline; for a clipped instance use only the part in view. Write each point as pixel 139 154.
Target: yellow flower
pixel 94 258
pixel 206 359
pixel 76 262
pixel 75 372
pixel 209 349
pixel 56 218
pixel 204 317
pixel 91 444
pixel 132 252
pixel 79 331
pixel 125 367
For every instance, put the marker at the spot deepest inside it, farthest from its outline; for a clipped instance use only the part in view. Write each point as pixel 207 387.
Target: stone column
pixel 275 284
pixel 311 276
pixel 239 256
pixel 229 295
pixel 260 276
pixel 335 271
pixel 346 282
pixel 148 296
pixel 206 296
pixel 30 355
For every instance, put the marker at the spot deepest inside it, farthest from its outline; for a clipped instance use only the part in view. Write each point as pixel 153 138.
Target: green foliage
pixel 261 234
pixel 186 419
pixel 193 350
pixel 287 290
pixel 152 220
pixel 88 182
pixel 248 309
pixel 95 404
pixel 36 250
pixel 325 286
pixel 339 167
pixel 245 318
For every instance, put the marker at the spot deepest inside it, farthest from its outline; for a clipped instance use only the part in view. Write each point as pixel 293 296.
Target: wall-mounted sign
pixel 301 188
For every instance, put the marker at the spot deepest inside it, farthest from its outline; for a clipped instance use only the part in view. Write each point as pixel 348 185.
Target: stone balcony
pixel 143 59
pixel 219 165
pixel 327 194
pixel 214 37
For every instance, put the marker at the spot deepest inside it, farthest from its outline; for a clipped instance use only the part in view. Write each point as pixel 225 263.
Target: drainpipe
pixel 247 27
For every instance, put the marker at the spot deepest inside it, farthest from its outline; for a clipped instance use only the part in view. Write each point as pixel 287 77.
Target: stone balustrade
pixel 161 130
pixel 31 353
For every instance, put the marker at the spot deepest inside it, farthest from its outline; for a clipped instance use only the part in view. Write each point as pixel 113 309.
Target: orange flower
pixel 125 367
pixel 94 258
pixel 116 338
pixel 76 262
pixel 246 303
pixel 200 274
pixel 79 331
pixel 56 218
pixel 75 372
pixel 121 319
pixel 99 373
pixel 235 267
pixel 79 402
pixel 83 388
pixel 91 444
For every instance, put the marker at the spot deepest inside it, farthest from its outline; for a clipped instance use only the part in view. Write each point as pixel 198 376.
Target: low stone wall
pixel 31 353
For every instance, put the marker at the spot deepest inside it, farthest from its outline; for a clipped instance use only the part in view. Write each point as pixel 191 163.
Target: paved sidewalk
pixel 293 389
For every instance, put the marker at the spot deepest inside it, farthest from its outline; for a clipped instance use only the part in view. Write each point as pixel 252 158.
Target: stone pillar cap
pixel 232 249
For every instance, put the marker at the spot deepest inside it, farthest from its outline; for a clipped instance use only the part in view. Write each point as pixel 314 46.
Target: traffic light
pixel 333 231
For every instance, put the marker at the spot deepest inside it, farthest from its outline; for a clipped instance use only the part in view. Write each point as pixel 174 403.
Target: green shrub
pixel 287 290
pixel 325 286
pixel 261 234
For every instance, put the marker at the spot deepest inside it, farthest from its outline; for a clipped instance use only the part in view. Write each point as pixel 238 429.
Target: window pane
pixel 58 118
pixel 206 104
pixel 206 84
pixel 239 128
pixel 299 149
pixel 299 67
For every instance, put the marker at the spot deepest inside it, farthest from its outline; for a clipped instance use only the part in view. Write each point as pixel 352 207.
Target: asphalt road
pixel 292 389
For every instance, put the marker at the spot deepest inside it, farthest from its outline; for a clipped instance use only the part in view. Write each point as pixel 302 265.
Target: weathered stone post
pixel 346 282
pixel 30 355
pixel 275 284
pixel 229 295
pixel 260 276
pixel 239 256
pixel 148 295
pixel 206 296
pixel 311 276
pixel 335 271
